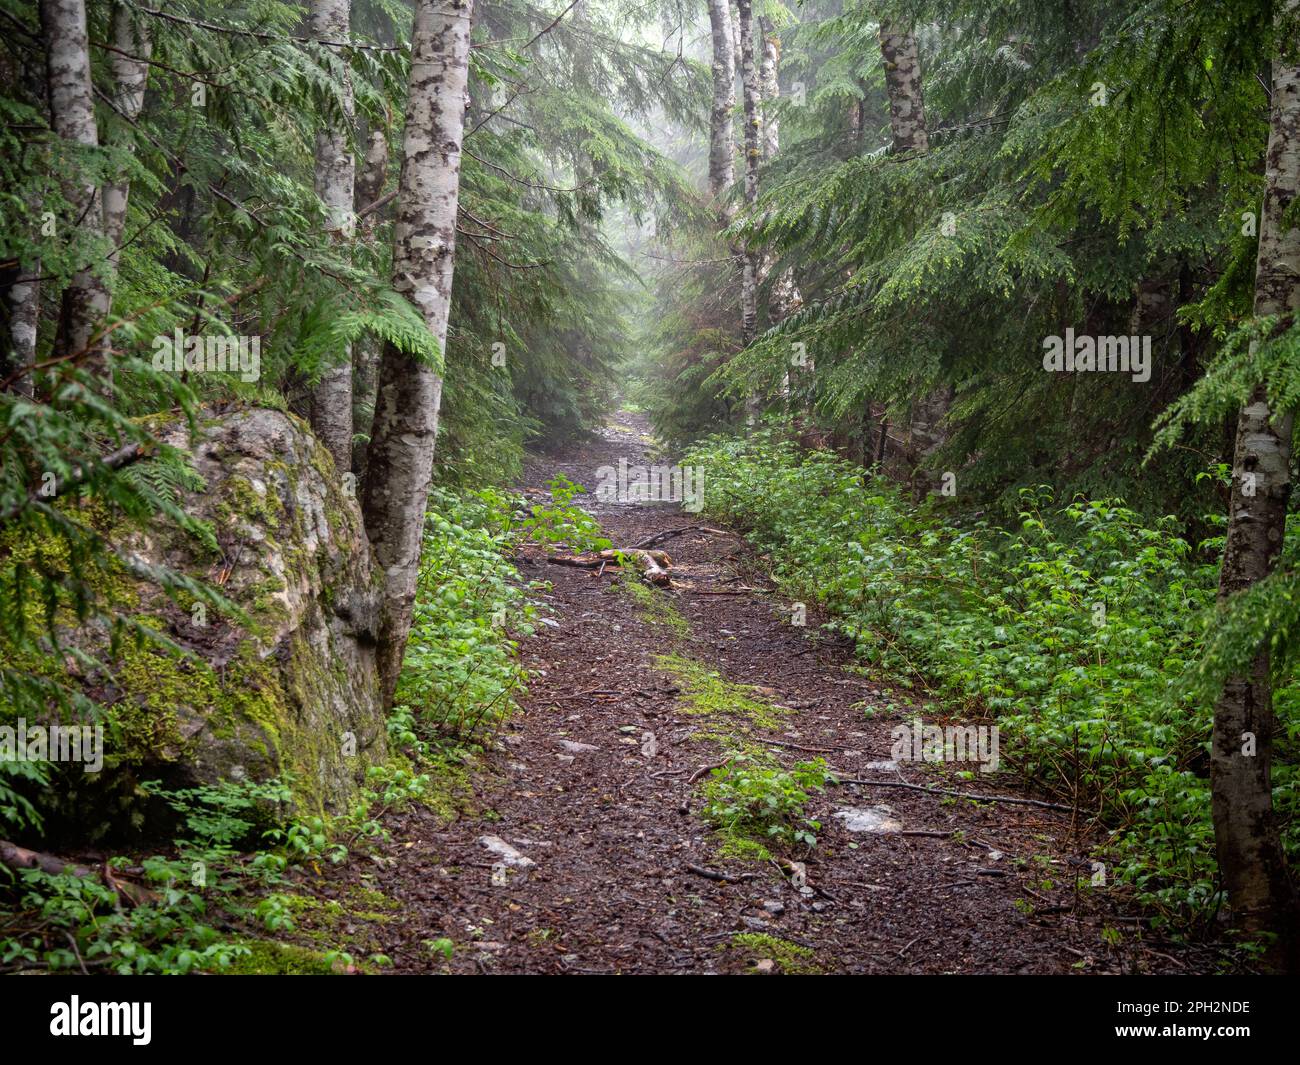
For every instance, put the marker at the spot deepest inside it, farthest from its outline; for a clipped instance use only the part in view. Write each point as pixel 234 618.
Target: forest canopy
pixel 330 330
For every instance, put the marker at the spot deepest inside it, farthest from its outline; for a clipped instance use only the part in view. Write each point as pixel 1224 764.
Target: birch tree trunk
pixel 785 297
pixel 331 399
pixel 1245 830
pixel 400 456
pixel 130 68
pixel 722 144
pixel 753 155
pixel 768 69
pixel 23 296
pixel 371 180
pixel 72 113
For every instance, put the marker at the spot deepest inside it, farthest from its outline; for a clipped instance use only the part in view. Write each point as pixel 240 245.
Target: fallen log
pixel 655 565
pixel 15 858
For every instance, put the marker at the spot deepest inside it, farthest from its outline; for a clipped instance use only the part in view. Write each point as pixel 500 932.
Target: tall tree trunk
pixel 373 175
pixel 22 294
pixel 371 180
pixel 331 399
pixel 722 144
pixel 768 70
pixel 902 65
pixel 400 456
pixel 133 47
pixel 785 297
pixel 72 113
pixel 903 85
pixel 753 155
pixel 1246 833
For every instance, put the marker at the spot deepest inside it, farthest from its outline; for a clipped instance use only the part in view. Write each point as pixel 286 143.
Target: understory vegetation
pixel 1083 631
pixel 226 894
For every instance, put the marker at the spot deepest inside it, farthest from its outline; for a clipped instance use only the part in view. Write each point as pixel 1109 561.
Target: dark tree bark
pixel 925 432
pixel 753 156
pixel 903 84
pixel 371 179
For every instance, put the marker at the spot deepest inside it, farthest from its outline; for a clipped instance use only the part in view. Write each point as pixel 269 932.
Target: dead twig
pixel 721 878
pixel 707 769
pixel 1009 799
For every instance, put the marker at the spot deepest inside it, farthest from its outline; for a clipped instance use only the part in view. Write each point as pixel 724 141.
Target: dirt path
pixel 611 825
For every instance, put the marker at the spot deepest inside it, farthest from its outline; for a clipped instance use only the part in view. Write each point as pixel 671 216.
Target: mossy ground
pixel 269 957
pixel 705 691
pixel 791 959
pixel 655 607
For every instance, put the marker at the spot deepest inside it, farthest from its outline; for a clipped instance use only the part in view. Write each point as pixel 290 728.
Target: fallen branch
pixel 659 538
pixel 15 858
pixel 1009 799
pixel 800 747
pixel 79 475
pixel 707 769
pixel 709 874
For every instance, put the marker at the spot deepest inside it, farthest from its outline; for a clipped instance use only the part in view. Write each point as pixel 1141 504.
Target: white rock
pixel 877 819
pixel 507 853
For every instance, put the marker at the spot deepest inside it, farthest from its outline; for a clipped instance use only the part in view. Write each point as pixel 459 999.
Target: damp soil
pixel 595 791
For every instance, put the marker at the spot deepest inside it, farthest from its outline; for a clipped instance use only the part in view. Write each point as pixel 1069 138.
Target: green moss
pixel 732 844
pixel 654 607
pixel 375 899
pixel 268 957
pixel 792 959
pixel 704 691
pixel 241 503
pixel 450 792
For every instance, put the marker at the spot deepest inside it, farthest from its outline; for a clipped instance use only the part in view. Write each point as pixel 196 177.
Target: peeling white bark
pixel 722 143
pixel 331 399
pixel 1250 855
pixel 72 113
pixel 130 77
pixel 400 456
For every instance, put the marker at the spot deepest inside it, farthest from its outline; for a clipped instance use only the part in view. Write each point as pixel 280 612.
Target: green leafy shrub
pixel 751 799
pixel 1081 630
pixel 460 673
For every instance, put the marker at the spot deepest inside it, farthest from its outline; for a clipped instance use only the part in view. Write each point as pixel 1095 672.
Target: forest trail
pixel 608 825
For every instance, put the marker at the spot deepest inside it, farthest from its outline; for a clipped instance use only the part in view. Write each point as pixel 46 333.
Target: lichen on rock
pixel 291 690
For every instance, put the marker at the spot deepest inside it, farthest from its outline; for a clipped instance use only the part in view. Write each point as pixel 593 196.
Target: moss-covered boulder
pixel 291 689
pixel 295 693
